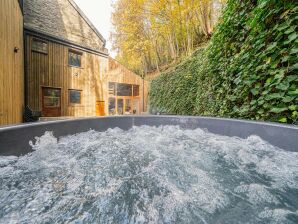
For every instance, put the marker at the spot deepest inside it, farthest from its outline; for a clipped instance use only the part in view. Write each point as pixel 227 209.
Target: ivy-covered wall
pixel 248 70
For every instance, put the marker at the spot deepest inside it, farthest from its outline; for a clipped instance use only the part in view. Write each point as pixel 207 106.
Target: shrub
pixel 248 70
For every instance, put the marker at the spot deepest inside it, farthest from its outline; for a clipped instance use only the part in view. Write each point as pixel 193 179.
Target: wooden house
pixel 127 92
pixel 66 60
pixel 67 67
pixel 54 61
pixel 11 62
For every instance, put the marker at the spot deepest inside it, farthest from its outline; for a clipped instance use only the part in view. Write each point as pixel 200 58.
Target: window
pixel 136 90
pixel 39 46
pixel 74 58
pixel 124 89
pixel 51 97
pixel 75 96
pixel 112 88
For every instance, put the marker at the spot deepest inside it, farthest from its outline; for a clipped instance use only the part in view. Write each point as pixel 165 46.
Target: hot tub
pixel 149 169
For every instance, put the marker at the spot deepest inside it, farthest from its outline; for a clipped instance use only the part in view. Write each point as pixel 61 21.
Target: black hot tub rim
pixel 14 140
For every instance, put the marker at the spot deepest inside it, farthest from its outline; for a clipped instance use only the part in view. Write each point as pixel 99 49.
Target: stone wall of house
pixel 64 20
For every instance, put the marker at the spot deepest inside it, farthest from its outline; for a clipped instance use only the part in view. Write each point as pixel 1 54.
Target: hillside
pixel 248 70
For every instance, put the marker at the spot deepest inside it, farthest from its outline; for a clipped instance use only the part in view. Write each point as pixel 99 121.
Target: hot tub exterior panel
pixel 15 140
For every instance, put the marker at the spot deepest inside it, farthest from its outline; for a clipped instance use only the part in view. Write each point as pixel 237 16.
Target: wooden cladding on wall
pixel 53 70
pixel 120 74
pixel 91 79
pixel 11 62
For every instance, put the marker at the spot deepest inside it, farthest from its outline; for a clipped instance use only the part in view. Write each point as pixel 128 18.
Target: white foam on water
pixel 257 194
pixel 149 175
pixel 277 215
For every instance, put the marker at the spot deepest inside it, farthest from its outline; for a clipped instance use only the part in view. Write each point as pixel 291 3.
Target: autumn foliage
pixel 149 34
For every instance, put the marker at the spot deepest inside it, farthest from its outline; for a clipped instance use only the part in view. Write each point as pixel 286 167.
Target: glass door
pixel 120 106
pixel 112 106
pixel 127 106
pixel 136 106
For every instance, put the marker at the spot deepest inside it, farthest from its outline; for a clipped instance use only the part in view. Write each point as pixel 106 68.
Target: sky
pixel 99 13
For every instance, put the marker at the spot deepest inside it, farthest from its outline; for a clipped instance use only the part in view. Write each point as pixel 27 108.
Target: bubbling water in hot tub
pixel 150 175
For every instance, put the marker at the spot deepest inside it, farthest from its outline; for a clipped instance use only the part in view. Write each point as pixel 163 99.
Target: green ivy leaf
pixel 295 114
pixel 283 86
pixel 283 120
pixel 294 67
pixel 254 91
pixel 274 96
pixel 271 46
pixel 285 58
pixel 269 80
pixel 283 26
pixel 293 107
pixel 290 30
pixel 288 99
pixel 286 42
pixel 261 102
pixel 293 93
pixel 253 102
pixel 294 51
pixel 292 37
pixel 280 74
pixel 278 110
pixel 291 78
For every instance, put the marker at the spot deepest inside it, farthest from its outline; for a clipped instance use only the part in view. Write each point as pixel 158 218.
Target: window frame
pixel 81 97
pixel 34 39
pixel 46 96
pixel 77 53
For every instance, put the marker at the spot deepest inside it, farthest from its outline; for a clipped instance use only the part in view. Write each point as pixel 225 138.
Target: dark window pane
pixel 124 89
pixel 51 97
pixel 74 59
pixel 51 101
pixel 75 96
pixel 39 46
pixel 52 92
pixel 136 90
pixel 112 106
pixel 120 106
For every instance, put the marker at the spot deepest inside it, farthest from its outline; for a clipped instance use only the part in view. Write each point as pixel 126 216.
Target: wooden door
pixel 100 108
pixel 51 102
